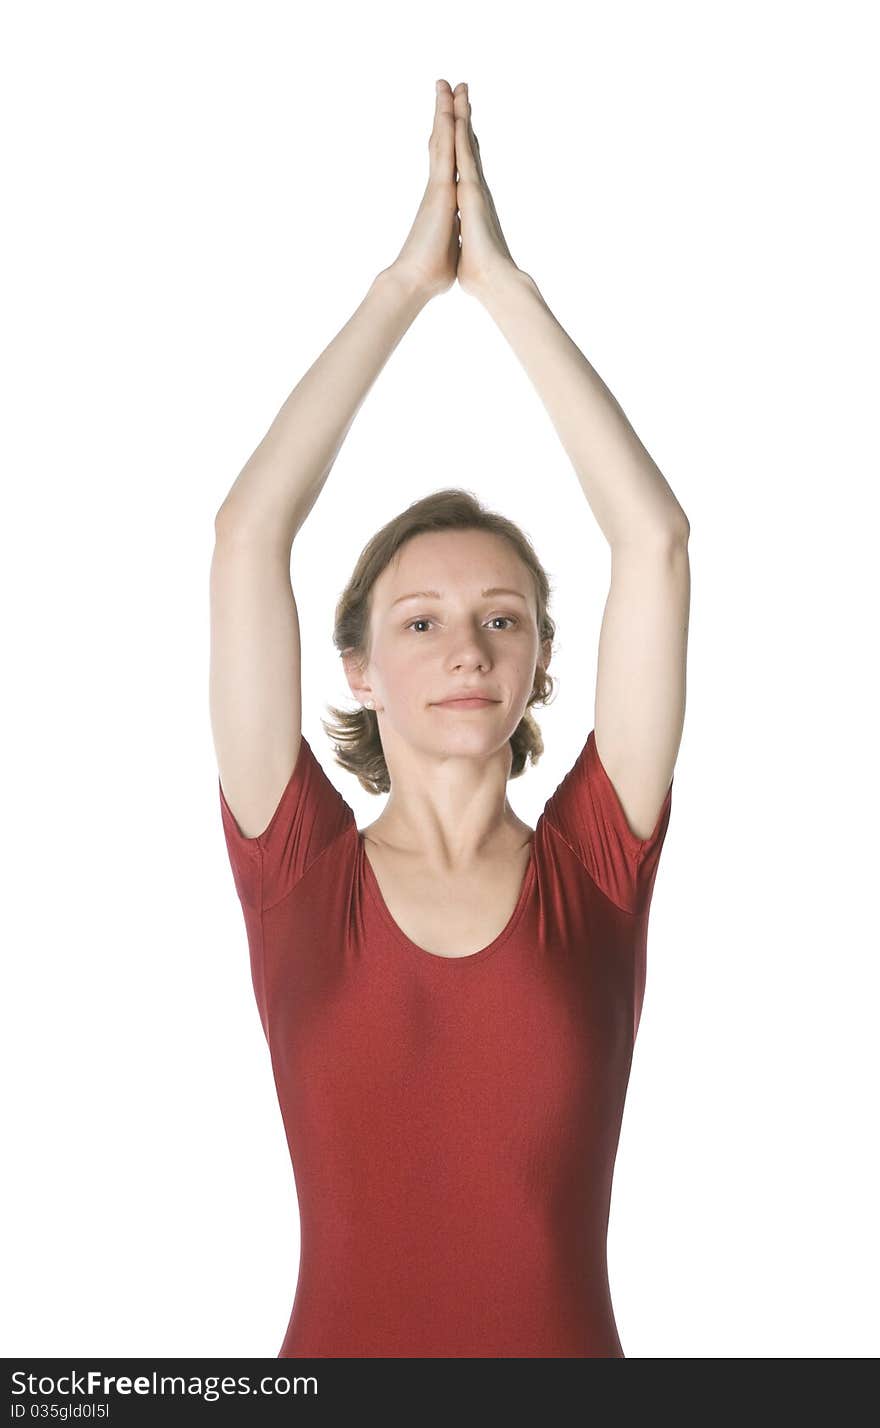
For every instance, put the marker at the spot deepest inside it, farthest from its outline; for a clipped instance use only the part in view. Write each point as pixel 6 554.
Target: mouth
pixel 466 703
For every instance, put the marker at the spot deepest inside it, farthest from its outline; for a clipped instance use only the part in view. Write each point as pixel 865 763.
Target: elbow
pixel 221 521
pixel 229 523
pixel 676 529
pixel 669 534
pixel 232 529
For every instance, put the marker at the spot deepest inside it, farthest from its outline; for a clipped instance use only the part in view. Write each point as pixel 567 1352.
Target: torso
pixel 453 1128
pixel 451 916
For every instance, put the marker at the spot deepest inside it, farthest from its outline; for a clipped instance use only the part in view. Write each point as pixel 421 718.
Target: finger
pixel 464 153
pixel 475 143
pixel 475 146
pixel 441 144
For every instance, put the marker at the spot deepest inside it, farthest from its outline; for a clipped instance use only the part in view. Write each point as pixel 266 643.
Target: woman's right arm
pixel 281 481
pixel 255 697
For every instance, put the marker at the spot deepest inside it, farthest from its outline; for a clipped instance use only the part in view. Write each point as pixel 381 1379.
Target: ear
pixel 354 674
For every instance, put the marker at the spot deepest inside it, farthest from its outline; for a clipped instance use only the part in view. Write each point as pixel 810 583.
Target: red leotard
pixel 453 1122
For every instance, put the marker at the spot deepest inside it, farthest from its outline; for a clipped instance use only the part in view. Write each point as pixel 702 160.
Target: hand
pixel 484 255
pixel 429 257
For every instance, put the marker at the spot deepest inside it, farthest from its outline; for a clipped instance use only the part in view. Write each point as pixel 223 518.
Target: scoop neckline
pixel 369 876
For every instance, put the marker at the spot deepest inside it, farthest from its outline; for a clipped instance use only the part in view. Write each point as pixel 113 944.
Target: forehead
pixel 453 562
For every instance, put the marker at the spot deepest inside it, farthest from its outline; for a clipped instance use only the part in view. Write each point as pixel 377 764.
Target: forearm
pixel 281 481
pixel 627 492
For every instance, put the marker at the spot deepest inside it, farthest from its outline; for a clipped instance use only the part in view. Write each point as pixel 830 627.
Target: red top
pixel 452 1121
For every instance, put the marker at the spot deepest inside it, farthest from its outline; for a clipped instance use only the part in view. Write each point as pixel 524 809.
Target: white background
pixel 197 198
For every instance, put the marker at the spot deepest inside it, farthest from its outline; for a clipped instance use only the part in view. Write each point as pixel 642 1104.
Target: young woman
pixel 450 997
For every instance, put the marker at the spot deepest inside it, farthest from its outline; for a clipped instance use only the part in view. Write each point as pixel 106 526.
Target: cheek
pixel 403 673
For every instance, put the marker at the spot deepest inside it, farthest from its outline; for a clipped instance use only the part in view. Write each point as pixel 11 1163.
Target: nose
pixel 469 647
pixel 471 655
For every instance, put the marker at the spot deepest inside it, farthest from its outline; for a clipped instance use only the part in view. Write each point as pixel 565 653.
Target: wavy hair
pixel 355 734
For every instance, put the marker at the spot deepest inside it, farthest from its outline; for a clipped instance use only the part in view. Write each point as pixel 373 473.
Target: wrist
pixel 404 285
pixel 504 279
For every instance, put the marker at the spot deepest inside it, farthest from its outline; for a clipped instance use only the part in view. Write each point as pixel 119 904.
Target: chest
pixel 452 916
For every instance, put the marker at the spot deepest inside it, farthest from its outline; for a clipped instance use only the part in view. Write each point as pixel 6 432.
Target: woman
pixel 450 998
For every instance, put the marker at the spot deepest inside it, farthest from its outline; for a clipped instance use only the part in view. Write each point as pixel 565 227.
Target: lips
pixel 467 701
pixel 467 694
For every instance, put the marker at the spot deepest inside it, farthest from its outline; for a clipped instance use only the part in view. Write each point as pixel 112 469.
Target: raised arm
pixel 280 482
pixel 255 686
pixel 640 689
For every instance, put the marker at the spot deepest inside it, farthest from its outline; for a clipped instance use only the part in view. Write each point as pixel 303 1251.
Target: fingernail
pixel 438 85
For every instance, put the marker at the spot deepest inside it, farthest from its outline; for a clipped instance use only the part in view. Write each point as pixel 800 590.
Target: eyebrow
pixel 435 595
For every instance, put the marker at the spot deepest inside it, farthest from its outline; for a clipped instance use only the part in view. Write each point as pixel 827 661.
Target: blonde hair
pixel 355 734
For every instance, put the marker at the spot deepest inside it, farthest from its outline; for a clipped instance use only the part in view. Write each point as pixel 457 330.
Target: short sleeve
pixel 586 812
pixel 310 814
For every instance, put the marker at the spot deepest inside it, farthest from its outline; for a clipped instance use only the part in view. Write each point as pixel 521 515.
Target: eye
pixel 424 620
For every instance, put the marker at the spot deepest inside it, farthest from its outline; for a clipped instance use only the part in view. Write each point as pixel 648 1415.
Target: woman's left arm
pixel 628 493
pixel 640 690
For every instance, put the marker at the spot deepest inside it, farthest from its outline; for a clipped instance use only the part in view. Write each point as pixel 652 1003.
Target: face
pixel 427 648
